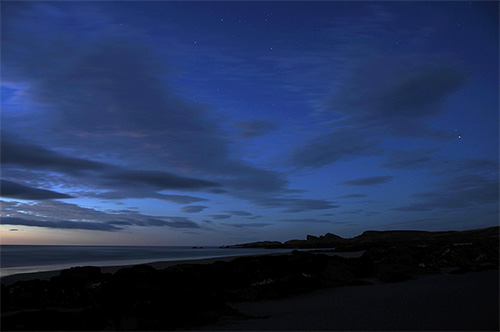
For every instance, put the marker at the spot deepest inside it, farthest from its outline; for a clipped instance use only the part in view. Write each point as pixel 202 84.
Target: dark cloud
pixel 180 222
pixel 218 191
pixel 416 159
pixel 159 180
pixel 220 216
pixel 256 181
pixel 13 230
pixel 122 78
pixel 305 220
pixel 353 196
pixel 340 145
pixel 247 225
pixel 398 92
pixel 372 213
pixel 146 122
pixel 240 213
pixel 255 128
pixel 383 96
pixel 61 224
pixel 178 199
pixel 481 166
pixel 292 204
pixel 131 183
pixel 439 165
pixel 253 217
pixel 457 193
pixel 37 157
pixel 15 190
pixel 357 211
pixel 368 181
pixel 193 208
pixel 54 214
pixel 173 222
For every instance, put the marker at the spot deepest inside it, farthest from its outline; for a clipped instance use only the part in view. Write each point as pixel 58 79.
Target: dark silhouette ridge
pixel 369 238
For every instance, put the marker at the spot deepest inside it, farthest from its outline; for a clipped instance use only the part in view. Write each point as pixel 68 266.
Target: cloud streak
pixel 255 128
pixel 368 181
pixel 60 224
pixel 339 145
pixel 457 193
pixel 383 96
pixel 193 208
pixel 54 214
pixel 15 190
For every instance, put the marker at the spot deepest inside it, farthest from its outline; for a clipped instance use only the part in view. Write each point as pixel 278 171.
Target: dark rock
pixel 261 244
pixel 312 238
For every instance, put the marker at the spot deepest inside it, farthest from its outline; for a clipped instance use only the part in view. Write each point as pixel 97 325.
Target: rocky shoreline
pixel 188 296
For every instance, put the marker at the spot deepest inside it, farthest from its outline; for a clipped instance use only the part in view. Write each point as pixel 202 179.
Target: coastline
pixel 46 275
pixel 443 286
pixel 159 265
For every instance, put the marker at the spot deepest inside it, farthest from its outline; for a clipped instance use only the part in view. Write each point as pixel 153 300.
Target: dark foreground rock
pixel 190 295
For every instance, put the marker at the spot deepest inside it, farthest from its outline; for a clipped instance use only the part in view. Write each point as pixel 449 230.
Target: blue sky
pixel 209 123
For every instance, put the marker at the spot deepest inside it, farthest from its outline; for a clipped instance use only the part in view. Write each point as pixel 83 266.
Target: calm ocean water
pixel 24 259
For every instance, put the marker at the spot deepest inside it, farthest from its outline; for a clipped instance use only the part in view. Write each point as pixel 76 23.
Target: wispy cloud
pixel 247 225
pixel 385 96
pixel 240 213
pixel 193 208
pixel 457 193
pixel 255 128
pixel 220 216
pixel 339 145
pixel 368 181
pixel 399 92
pixel 353 196
pixel 54 214
pixel 15 190
pixel 305 220
pixel 61 224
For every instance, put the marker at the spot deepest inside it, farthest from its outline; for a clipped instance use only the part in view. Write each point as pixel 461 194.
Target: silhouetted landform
pixel 370 238
pixel 187 296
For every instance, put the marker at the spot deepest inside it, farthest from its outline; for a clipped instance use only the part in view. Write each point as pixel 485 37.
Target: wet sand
pixel 450 302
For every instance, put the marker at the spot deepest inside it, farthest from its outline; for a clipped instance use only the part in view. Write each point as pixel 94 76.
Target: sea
pixel 15 259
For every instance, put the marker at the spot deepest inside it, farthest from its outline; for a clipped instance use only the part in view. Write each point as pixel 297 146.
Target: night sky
pixel 210 123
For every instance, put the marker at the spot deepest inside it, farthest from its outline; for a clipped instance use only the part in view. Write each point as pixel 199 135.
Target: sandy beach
pixel 449 302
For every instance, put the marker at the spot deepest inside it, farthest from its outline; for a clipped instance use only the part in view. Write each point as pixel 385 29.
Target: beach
pixel 446 302
pixel 159 265
pixel 381 288
pixel 449 302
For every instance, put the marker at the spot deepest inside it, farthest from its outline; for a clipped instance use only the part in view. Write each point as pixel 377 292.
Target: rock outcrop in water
pixel 190 295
